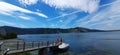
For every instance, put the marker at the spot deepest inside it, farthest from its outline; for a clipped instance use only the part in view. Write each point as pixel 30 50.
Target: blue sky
pixel 94 14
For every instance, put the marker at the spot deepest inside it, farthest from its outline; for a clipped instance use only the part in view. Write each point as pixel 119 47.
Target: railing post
pixel 42 43
pixel 23 45
pixel 47 43
pixel 38 44
pixel 32 43
pixel 17 45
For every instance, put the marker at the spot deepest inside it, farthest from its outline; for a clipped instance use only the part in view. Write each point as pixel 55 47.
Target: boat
pixel 63 46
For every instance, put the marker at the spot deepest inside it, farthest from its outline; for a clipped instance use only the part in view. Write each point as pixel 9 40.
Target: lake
pixel 91 43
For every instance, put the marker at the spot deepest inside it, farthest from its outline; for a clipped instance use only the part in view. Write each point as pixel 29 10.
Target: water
pixel 92 43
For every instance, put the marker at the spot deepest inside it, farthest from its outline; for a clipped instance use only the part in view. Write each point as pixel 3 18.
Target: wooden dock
pixel 26 46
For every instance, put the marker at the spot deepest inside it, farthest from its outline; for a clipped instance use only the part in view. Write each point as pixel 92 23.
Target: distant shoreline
pixel 8 29
pixel 9 32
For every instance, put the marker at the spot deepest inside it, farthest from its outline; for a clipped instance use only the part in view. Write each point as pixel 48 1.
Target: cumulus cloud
pixel 88 6
pixel 11 10
pixel 106 19
pixel 28 2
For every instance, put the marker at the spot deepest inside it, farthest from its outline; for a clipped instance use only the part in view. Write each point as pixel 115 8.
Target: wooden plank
pixel 34 48
pixel 25 50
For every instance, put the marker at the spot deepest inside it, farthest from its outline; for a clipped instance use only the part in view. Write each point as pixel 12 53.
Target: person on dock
pixel 59 40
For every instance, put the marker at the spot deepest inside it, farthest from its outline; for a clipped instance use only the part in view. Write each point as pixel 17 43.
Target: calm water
pixel 94 43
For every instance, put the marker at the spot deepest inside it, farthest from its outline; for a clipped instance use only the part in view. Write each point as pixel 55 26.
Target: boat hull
pixel 63 47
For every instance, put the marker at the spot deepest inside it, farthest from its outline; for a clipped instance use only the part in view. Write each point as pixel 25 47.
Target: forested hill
pixel 9 29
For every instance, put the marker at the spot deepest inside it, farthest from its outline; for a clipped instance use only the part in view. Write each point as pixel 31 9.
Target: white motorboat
pixel 63 46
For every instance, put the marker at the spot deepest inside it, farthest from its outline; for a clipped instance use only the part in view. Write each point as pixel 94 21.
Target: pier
pixel 21 46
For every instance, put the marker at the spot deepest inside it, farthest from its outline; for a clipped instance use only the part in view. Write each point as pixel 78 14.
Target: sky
pixel 93 14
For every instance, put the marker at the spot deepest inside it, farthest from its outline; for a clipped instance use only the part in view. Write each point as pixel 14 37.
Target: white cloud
pixel 25 17
pixel 106 19
pixel 61 21
pixel 89 6
pixel 12 24
pixel 28 2
pixel 72 17
pixel 40 14
pixel 9 9
pixel 21 25
pixel 65 22
pixel 65 14
pixel 6 22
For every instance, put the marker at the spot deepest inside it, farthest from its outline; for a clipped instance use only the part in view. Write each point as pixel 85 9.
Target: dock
pixel 21 46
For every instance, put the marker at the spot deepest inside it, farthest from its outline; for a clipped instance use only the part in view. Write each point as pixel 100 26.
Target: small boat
pixel 63 46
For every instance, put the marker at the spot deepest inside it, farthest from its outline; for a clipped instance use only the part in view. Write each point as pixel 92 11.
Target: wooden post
pixel 17 45
pixel 23 45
